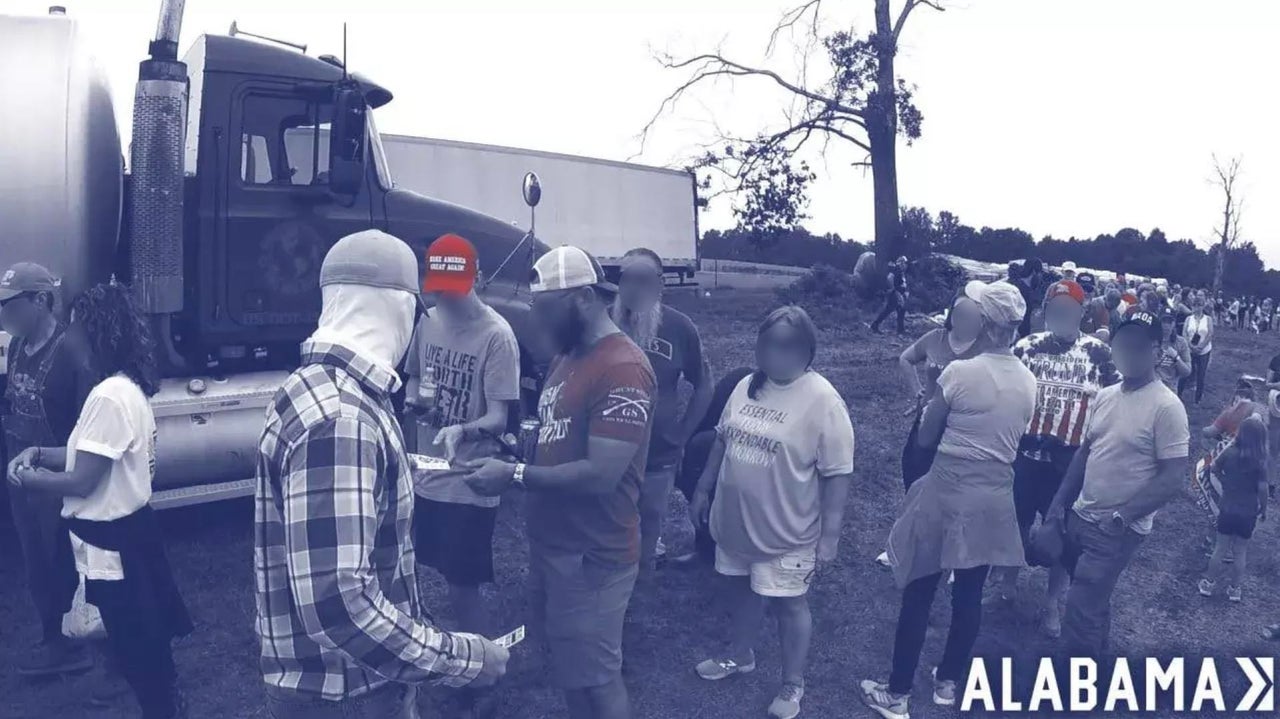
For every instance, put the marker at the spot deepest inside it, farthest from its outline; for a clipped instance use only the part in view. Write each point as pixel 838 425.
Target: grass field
pixel 678 622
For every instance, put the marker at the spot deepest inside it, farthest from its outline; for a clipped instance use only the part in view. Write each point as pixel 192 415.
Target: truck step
pixel 201 494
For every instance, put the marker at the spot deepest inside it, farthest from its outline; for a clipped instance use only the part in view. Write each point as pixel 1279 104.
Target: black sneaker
pixel 53 658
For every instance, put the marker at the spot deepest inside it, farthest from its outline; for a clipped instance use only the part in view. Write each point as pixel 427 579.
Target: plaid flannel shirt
pixel 337 595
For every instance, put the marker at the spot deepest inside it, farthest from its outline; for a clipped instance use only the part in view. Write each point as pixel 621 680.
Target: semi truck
pixel 602 206
pixel 221 221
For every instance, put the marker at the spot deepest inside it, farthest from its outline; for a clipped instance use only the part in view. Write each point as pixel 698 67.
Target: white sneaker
pixel 883 559
pixel 944 690
pixel 880 700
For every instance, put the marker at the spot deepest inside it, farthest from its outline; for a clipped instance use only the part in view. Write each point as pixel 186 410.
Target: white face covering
pixel 373 322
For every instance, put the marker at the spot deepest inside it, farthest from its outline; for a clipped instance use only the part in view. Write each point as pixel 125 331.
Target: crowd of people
pixel 1054 448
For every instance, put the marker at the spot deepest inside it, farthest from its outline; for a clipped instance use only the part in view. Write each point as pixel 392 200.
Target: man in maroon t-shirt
pixel 582 512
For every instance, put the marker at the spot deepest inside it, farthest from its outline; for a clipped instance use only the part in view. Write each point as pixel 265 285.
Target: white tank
pixel 61 168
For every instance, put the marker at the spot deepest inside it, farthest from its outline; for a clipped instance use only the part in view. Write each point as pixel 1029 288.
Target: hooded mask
pixel 374 322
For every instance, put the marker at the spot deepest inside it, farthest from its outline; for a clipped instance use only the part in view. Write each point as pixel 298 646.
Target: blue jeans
pixel 1095 560
pixel 387 702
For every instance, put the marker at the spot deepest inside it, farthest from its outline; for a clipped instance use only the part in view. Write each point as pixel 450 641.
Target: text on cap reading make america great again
pixel 449 264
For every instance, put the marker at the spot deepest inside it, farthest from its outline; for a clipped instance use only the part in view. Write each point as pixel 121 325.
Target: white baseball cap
pixel 1068 266
pixel 1000 302
pixel 567 268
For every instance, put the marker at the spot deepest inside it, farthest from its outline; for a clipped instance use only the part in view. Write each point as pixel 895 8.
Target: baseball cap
pixel 1065 288
pixel 566 268
pixel 371 258
pixel 1087 281
pixel 451 266
pixel 1144 320
pixel 1068 266
pixel 26 277
pixel 1000 301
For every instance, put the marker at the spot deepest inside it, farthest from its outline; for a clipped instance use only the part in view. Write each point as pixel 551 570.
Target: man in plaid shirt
pixel 342 628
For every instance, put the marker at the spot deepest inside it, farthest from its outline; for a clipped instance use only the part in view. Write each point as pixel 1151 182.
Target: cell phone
pixel 506 641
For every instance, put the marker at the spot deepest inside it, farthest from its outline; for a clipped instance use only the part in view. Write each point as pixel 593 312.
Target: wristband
pixel 517 478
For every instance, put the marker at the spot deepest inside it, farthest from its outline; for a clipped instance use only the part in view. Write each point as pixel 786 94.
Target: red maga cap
pixel 451 266
pixel 1065 287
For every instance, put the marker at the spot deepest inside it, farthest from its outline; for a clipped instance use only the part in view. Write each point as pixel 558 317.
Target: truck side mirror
pixel 347 140
pixel 532 189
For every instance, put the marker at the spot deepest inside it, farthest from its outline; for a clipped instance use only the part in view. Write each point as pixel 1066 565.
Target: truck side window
pixel 284 141
pixel 255 161
pixel 307 144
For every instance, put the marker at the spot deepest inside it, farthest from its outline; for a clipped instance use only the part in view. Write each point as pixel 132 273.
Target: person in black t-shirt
pixel 47 384
pixel 896 300
pixel 674 349
pixel 1029 285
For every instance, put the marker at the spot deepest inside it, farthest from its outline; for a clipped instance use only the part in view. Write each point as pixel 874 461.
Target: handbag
pixel 83 621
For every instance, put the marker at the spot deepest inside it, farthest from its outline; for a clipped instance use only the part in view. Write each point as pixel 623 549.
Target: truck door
pixel 280 218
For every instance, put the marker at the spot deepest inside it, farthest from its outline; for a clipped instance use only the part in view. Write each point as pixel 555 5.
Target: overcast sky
pixel 1062 117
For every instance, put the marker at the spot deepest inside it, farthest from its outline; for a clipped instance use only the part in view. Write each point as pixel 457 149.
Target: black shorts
pixel 455 540
pixel 1237 525
pixel 1035 483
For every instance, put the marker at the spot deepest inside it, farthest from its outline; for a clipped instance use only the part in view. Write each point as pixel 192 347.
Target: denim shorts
pixel 581 602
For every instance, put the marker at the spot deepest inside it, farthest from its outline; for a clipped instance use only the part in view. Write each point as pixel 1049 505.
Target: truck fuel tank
pixel 207 435
pixel 61 169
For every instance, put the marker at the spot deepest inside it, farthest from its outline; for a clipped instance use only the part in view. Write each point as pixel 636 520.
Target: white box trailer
pixel 602 206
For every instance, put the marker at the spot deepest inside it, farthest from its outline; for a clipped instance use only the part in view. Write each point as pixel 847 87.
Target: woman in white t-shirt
pixel 780 467
pixel 104 475
pixel 1199 330
pixel 960 516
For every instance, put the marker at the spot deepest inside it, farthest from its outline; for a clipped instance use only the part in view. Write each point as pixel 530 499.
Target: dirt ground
pixel 680 621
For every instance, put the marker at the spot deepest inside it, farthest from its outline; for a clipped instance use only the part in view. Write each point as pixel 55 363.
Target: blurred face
pixel 452 305
pixel 22 315
pixel 1062 317
pixel 560 316
pixel 640 284
pixel 782 353
pixel 966 321
pixel 1135 354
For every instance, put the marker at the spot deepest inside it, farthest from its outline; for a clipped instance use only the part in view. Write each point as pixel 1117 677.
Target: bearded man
pixel 674 348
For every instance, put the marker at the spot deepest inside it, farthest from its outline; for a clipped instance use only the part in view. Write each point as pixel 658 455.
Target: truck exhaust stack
pixel 156 163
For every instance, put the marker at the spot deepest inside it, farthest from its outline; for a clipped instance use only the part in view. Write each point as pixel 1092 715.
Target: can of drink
pixel 529 438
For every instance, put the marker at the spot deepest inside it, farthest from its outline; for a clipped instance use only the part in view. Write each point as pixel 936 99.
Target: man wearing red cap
pixel 464 371
pixel 1070 367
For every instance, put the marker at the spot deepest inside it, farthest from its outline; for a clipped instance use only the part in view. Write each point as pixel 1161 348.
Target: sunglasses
pixel 15 298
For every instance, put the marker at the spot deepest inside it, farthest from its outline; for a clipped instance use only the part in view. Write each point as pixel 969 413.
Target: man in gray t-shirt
pixel 1133 462
pixel 464 372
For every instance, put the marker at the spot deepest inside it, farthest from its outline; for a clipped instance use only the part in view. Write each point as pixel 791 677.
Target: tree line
pixel 1127 250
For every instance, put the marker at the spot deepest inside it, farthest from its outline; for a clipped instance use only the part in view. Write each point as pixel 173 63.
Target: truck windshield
pixel 379 154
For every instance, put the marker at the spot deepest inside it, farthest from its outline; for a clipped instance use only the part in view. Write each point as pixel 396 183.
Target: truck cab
pixel 263 204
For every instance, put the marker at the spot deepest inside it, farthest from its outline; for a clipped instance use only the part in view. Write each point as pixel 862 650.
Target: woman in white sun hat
pixel 960 516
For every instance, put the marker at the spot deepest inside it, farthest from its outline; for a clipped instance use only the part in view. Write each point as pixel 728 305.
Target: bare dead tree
pixel 1226 175
pixel 858 100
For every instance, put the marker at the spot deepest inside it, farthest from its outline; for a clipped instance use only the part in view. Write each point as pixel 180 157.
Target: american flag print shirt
pixel 337 596
pixel 1068 377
